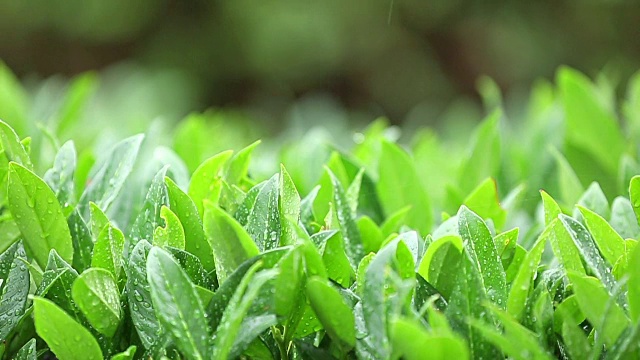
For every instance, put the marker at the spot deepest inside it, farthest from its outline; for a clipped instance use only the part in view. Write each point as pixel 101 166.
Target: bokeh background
pixel 277 62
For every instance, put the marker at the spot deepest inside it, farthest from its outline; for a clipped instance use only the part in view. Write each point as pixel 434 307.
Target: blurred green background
pixel 305 62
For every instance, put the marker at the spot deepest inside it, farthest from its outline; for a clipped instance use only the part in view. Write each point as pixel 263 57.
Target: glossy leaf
pixel 15 289
pixel 65 337
pixel 195 239
pixel 96 293
pixel 336 317
pixel 177 303
pixel 106 182
pixel 107 251
pixel 204 183
pixel 172 234
pixel 38 215
pixel 230 243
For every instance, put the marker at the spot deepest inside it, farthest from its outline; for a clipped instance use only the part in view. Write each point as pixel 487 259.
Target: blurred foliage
pixel 407 59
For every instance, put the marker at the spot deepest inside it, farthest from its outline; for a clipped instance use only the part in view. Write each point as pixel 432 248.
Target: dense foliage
pixel 449 251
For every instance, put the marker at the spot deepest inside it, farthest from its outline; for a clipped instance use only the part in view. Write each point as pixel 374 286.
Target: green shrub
pixel 449 251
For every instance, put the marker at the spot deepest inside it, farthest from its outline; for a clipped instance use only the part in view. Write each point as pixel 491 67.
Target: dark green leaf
pixel 15 289
pixel 178 306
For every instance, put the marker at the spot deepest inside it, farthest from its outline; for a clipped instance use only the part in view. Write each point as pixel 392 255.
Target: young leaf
pixel 195 241
pixel 590 125
pixel 177 303
pixel 610 244
pixel 204 183
pixel 399 186
pixel 107 251
pixel 479 245
pixel 585 244
pixel 230 242
pixel 336 317
pixel 634 195
pixel 623 219
pixel 57 281
pixel 413 342
pixel 263 222
pixel 601 310
pixel 238 166
pixel 149 217
pixel 82 241
pixel 484 201
pixel 483 159
pixel 519 292
pixel 348 227
pixel 38 215
pixel 13 148
pixel 561 242
pixel 237 309
pixel 633 285
pixel 64 336
pixel 517 341
pixel 441 257
pixel 125 355
pixel 172 234
pixel 106 182
pixel 570 187
pixel 60 176
pixel 96 293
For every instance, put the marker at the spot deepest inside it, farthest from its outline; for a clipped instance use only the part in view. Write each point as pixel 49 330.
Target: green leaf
pixel 12 147
pixel 38 215
pixel 80 91
pixel 178 306
pixel 484 201
pixel 634 195
pixel 205 181
pixel 149 216
pixel 562 244
pixel 15 289
pixel 575 340
pixel 570 187
pixel 192 267
pixel 96 294
pixel 601 310
pixel 591 126
pixel 125 355
pixel 231 244
pixel 519 292
pixel 98 220
pixel 143 314
pixel 595 200
pixel 348 227
pixel 335 316
pixel 479 245
pixel 289 204
pixel 517 341
pixel 483 159
pixel 238 165
pixel 60 176
pixel 195 240
pixel 27 351
pixel 64 336
pixel 14 100
pixel 412 342
pixel 610 244
pixel 394 222
pixel 466 303
pixel 441 257
pixel 82 241
pixel 107 251
pixel 585 244
pixel 370 233
pixel 633 285
pixel 243 297
pixel 623 219
pixel 399 186
pixel 57 281
pixel 225 292
pixel 9 234
pixel 172 234
pixel 106 182
pixel 263 222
